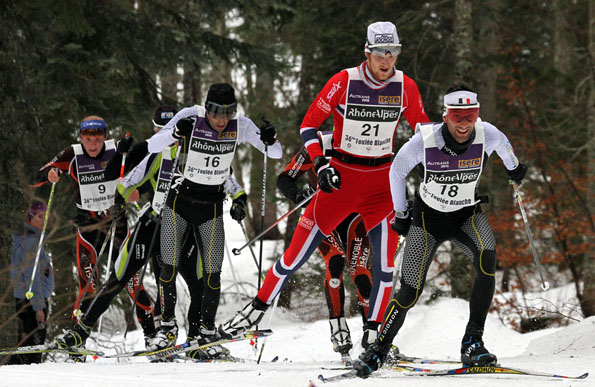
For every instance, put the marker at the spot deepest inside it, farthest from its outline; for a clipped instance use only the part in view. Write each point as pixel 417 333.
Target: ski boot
pixel 392 357
pixel 341 339
pixel 72 358
pixel 166 336
pixel 243 320
pixel 73 338
pixel 370 334
pixel 473 352
pixel 370 360
pixel 211 352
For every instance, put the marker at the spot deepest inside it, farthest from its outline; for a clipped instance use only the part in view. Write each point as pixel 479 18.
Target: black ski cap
pixel 163 114
pixel 221 94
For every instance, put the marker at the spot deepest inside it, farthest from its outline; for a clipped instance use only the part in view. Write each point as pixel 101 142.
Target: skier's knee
pixel 212 280
pixel 363 285
pixel 336 265
pixel 407 296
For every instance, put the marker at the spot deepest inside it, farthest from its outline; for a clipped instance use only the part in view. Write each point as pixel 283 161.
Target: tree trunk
pixel 588 301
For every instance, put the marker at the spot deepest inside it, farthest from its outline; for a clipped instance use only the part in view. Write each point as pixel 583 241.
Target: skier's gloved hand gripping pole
pixel 517 194
pixel 29 293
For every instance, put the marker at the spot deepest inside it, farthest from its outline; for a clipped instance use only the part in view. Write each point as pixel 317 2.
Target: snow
pixel 431 330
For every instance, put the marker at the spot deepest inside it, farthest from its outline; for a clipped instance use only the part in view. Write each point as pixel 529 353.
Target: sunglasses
pixel 92 132
pixel 458 115
pixel 382 51
pixel 226 111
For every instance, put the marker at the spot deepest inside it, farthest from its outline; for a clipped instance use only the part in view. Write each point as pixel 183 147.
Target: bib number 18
pixel 452 191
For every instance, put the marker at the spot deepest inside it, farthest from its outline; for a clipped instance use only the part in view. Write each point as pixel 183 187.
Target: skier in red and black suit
pixel 366 102
pixel 350 240
pixel 85 164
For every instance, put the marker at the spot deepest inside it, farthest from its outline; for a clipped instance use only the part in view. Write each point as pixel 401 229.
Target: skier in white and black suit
pixel 450 157
pixel 208 137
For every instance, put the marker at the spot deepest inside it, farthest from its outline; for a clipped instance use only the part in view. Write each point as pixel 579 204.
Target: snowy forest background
pixel 532 63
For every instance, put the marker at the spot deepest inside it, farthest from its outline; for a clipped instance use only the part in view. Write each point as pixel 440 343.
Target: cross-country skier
pixel 208 137
pixel 348 242
pixel 85 164
pixel 124 275
pixel 451 156
pixel 31 314
pixel 366 102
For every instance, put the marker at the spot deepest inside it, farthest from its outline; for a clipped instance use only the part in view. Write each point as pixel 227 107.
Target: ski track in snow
pixel 431 331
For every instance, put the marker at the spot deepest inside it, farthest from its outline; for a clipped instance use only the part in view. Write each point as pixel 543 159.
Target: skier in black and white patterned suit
pixel 450 157
pixel 208 137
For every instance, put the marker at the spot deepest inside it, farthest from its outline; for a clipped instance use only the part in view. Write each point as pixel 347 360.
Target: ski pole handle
pixel 123 160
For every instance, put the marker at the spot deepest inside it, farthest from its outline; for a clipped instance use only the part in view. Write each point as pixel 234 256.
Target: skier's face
pixel 461 122
pixel 381 68
pixel 37 220
pixel 93 142
pixel 218 123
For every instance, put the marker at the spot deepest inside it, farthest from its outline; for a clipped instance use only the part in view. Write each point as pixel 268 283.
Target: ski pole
pixel 29 294
pixel 249 246
pixel 262 208
pixel 264 341
pixel 111 247
pixel 237 251
pixel 77 312
pixel 234 275
pixel 517 194
pixel 123 165
pixel 143 271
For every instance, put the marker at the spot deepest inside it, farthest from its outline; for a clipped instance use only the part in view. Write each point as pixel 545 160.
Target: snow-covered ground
pixel 303 348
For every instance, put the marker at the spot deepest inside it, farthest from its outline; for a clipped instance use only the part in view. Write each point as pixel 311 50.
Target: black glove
pixel 302 194
pixel 183 127
pixel 268 135
pixel 328 177
pixel 124 145
pixel 517 174
pixel 401 225
pixel 119 204
pixel 238 207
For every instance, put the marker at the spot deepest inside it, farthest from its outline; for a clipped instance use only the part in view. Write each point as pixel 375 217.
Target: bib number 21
pixel 368 128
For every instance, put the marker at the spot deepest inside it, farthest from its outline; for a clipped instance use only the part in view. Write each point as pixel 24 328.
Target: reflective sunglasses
pixel 92 132
pixel 458 115
pixel 381 51
pixel 226 111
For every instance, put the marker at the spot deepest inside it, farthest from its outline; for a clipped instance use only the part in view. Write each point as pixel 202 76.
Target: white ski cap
pixel 382 34
pixel 461 99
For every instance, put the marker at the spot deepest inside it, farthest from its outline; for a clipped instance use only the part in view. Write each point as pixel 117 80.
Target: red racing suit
pixel 366 113
pixel 349 236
